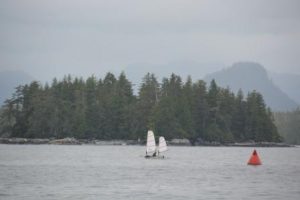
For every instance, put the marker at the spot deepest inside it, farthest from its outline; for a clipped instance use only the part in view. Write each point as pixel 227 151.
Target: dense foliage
pixel 288 124
pixel 108 109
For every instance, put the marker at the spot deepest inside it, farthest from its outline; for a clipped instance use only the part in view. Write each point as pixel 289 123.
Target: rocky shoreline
pixel 174 142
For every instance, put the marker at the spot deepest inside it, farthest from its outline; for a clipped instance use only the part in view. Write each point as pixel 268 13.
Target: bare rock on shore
pixel 116 142
pixel 180 142
pixel 259 144
pixel 13 141
pixel 23 141
pixel 38 141
pixel 68 140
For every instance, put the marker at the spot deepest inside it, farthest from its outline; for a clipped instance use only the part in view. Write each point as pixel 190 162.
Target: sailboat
pixel 153 151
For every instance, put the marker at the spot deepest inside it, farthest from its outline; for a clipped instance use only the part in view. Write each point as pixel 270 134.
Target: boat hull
pixel 155 157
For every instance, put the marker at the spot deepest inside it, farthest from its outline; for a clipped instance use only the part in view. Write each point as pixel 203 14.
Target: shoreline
pixel 175 142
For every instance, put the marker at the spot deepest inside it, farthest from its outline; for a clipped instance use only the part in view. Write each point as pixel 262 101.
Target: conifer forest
pixel 108 108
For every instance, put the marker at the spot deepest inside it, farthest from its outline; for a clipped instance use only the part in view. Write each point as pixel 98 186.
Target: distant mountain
pixel 281 91
pixel 250 76
pixel 289 83
pixel 9 80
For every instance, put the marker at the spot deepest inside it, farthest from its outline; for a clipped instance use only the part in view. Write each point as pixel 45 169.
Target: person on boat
pixel 147 156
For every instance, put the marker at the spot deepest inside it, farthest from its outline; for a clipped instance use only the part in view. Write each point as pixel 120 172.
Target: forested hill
pixel 249 76
pixel 288 124
pixel 107 109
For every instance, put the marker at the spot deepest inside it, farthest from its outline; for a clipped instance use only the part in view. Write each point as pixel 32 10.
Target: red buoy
pixel 254 159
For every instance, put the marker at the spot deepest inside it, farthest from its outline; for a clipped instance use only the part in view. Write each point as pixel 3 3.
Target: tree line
pixel 108 109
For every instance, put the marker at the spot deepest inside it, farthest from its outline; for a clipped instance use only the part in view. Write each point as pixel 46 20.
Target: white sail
pixel 162 146
pixel 151 146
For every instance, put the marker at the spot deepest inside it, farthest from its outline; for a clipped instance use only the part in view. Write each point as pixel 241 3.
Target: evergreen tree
pixel 110 113
pixel 91 111
pixel 200 110
pixel 148 98
pixel 108 109
pixel 123 102
pixel 258 123
pixel 288 124
pixel 239 120
pixel 187 104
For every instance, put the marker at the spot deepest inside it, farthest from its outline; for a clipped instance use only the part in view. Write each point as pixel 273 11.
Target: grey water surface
pixel 121 172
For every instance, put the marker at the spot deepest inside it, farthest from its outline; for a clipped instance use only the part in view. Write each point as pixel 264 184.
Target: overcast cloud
pixel 55 37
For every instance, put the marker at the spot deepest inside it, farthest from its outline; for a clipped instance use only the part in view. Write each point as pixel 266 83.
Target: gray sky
pixel 54 37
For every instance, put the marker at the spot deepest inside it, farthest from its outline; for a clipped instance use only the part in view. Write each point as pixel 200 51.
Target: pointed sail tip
pixel 162 146
pixel 151 145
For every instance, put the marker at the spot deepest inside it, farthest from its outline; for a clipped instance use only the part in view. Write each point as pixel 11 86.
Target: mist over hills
pixel 289 83
pixel 9 80
pixel 250 76
pixel 280 91
pixel 135 72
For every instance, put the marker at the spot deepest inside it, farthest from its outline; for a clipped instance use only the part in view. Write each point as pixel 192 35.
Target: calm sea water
pixel 121 172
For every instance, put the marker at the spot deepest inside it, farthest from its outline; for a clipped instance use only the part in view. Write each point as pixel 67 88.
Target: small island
pixel 106 111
